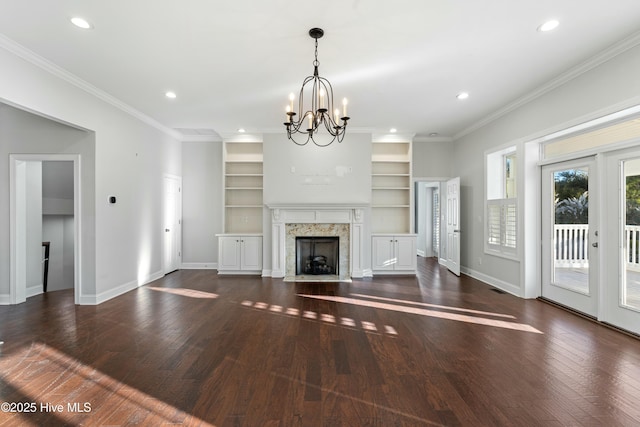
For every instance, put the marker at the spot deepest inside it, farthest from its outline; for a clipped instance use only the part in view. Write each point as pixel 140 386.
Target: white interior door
pixel 453 226
pixel 570 236
pixel 172 223
pixel 621 285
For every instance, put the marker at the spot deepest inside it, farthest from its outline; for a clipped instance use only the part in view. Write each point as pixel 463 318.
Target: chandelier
pixel 320 113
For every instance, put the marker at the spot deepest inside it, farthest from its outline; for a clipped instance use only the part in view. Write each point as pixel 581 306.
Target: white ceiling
pixel 401 63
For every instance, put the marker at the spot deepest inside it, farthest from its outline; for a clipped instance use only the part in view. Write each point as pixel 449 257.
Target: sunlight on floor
pixel 100 391
pixel 444 307
pixel 429 313
pixel 191 293
pixel 323 317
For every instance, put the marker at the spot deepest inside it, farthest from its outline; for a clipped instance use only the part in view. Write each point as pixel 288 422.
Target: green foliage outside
pixel 633 200
pixel 572 197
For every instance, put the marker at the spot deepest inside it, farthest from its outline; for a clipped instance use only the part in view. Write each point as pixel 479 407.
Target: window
pixel 501 225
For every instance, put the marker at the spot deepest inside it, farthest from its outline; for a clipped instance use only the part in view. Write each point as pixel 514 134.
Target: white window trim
pixel 501 250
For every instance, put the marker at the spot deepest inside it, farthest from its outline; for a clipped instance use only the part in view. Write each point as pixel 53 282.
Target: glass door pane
pixel 571 229
pixel 569 243
pixel 630 286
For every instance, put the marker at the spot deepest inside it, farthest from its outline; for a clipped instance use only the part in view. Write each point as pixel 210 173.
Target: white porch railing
pixel 571 244
pixel 632 238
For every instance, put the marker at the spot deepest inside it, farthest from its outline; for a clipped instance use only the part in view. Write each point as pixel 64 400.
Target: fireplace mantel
pixel 283 214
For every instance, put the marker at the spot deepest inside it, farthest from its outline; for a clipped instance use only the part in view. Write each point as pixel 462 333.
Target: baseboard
pixel 34 290
pixel 115 292
pixel 490 280
pixel 199 266
pixel 119 290
pixel 266 273
pixel 367 272
pixel 422 253
pixel 5 299
pixel 154 276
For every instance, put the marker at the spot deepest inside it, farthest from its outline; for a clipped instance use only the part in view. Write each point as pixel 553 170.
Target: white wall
pixel 432 159
pixel 122 243
pixel 339 173
pixel 608 87
pixel 202 203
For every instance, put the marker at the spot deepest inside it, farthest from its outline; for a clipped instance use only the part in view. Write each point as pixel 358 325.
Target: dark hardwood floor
pixel 195 348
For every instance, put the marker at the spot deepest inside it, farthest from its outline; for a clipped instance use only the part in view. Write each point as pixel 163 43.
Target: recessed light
pixel 462 95
pixel 241 130
pixel 81 23
pixel 433 134
pixel 393 130
pixel 170 95
pixel 548 26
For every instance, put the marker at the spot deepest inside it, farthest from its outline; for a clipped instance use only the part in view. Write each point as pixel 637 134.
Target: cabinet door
pixel 405 251
pixel 382 253
pixel 229 253
pixel 251 253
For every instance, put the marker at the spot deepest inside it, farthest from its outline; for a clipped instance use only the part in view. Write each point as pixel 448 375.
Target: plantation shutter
pixel 501 224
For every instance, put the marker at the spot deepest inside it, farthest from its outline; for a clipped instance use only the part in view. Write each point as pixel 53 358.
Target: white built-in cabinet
pixel 393 244
pixel 394 254
pixel 239 254
pixel 240 247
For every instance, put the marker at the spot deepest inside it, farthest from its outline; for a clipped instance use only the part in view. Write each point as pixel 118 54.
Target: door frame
pixel 17 277
pixel 441 181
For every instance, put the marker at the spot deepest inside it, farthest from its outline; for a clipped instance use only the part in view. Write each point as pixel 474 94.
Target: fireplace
pixel 346 223
pixel 317 255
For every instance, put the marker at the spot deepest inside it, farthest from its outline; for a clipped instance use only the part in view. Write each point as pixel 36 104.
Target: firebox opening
pixel 317 255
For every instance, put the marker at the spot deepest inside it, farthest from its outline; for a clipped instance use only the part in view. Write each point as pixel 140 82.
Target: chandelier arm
pixel 290 136
pixel 323 145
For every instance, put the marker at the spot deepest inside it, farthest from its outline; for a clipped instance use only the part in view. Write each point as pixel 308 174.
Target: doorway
pixel 427 214
pixel 597 274
pixel 26 224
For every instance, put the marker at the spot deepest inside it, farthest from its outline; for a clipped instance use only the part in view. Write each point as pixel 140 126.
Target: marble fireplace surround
pixel 344 221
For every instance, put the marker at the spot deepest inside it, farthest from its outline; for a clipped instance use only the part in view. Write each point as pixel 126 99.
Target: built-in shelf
pixel 243 184
pixel 391 187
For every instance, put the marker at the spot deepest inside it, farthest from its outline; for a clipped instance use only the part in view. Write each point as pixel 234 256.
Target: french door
pixel 570 235
pixel 595 273
pixel 621 296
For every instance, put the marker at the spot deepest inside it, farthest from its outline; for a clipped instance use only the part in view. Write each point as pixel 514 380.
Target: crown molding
pixel 241 137
pixel 200 138
pixel 428 139
pixel 57 71
pixel 392 137
pixel 597 60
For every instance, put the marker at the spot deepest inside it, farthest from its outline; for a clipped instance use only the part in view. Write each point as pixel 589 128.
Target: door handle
pixel 456 231
pixel 166 230
pixel 594 244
